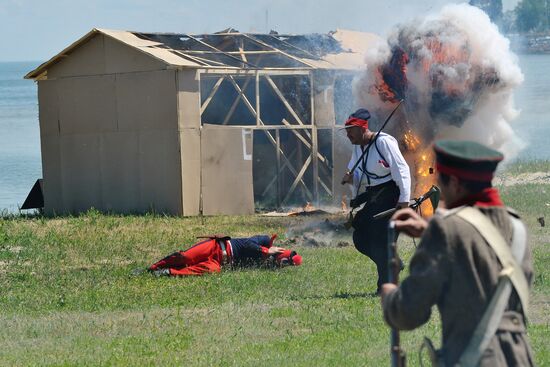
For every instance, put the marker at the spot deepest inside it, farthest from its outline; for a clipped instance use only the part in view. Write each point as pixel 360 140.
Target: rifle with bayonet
pixel 433 194
pixel 397 353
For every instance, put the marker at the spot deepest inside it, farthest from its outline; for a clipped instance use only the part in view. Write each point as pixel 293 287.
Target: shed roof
pixel 342 49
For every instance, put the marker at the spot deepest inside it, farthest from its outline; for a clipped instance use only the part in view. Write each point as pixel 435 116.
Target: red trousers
pixel 204 257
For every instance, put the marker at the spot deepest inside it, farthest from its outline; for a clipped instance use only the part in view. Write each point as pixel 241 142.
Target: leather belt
pixel 225 246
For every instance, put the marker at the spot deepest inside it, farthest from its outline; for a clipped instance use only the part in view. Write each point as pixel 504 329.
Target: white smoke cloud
pixel 460 78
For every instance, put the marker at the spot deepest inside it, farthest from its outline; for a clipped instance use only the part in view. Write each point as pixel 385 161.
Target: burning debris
pixel 456 74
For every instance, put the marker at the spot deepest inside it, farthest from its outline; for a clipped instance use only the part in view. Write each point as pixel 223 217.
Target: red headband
pixel 288 254
pixel 354 121
pixel 465 174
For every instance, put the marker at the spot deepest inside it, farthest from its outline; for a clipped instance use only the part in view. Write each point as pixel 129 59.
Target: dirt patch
pixel 539 309
pixel 522 178
pixel 14 249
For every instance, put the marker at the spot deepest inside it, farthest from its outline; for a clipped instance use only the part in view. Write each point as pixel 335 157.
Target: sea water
pixel 20 161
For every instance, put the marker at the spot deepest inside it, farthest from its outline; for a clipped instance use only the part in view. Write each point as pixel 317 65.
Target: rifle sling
pixel 512 274
pixel 508 257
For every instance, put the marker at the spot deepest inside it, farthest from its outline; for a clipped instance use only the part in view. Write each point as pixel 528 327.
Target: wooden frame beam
pixel 218 50
pixel 273 140
pixel 283 161
pixel 283 99
pixel 238 98
pixel 228 52
pixel 281 52
pixel 212 93
pixel 264 71
pixel 297 180
pixel 243 96
pixel 306 143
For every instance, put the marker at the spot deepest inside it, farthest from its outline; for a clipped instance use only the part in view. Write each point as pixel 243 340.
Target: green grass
pixel 68 299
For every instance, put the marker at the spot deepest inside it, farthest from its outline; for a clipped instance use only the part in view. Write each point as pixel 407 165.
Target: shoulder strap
pixel 488 325
pixel 493 237
pixel 492 316
pixel 519 239
pixel 366 171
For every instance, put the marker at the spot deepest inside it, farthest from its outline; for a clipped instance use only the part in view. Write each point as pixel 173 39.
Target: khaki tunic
pixel 455 269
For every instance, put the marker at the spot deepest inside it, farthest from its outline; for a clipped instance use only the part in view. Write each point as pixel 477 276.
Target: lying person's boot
pixel 161 272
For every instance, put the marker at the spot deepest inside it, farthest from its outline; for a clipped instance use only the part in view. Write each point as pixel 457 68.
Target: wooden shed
pixel 221 123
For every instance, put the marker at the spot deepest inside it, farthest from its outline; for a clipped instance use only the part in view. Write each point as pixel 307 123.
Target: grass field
pixel 68 297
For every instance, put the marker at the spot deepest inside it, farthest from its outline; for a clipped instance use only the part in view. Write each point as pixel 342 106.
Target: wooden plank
pixel 280 127
pixel 324 186
pixel 298 179
pixel 257 81
pixel 227 52
pixel 273 141
pixel 315 162
pixel 262 71
pixel 288 164
pixel 211 62
pixel 277 175
pixel 241 93
pixel 212 93
pixel 275 178
pixel 282 52
pixel 296 47
pixel 189 57
pixel 237 99
pixel 304 140
pixel 298 135
pixel 283 99
pixel 241 51
pixel 218 50
pixel 312 98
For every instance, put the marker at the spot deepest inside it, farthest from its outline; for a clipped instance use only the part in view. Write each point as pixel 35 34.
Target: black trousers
pixel 370 235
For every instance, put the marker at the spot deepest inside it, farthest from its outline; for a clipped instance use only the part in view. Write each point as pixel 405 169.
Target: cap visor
pixel 346 127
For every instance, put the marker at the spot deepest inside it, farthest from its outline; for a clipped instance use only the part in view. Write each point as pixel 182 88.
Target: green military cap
pixel 467 160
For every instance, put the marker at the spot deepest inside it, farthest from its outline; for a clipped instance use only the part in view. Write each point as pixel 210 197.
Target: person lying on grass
pixel 215 252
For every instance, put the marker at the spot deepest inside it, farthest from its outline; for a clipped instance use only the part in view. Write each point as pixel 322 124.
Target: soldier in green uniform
pixel 463 254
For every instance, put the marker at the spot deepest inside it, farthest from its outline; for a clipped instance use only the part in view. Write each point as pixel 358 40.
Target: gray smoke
pixel 456 73
pixel 327 231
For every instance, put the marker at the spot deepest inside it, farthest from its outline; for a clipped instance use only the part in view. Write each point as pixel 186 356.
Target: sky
pixel 36 30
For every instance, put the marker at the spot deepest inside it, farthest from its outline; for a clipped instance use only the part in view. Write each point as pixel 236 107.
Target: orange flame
pixel 412 142
pixel 390 81
pixel 382 89
pixel 422 167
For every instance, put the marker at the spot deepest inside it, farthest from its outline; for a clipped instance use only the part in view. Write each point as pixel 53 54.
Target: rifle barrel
pixel 416 203
pixel 397 354
pixel 385 213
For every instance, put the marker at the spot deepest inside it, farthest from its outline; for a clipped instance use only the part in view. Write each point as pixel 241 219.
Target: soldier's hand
pixel 274 250
pixel 409 222
pixel 386 289
pixel 347 179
